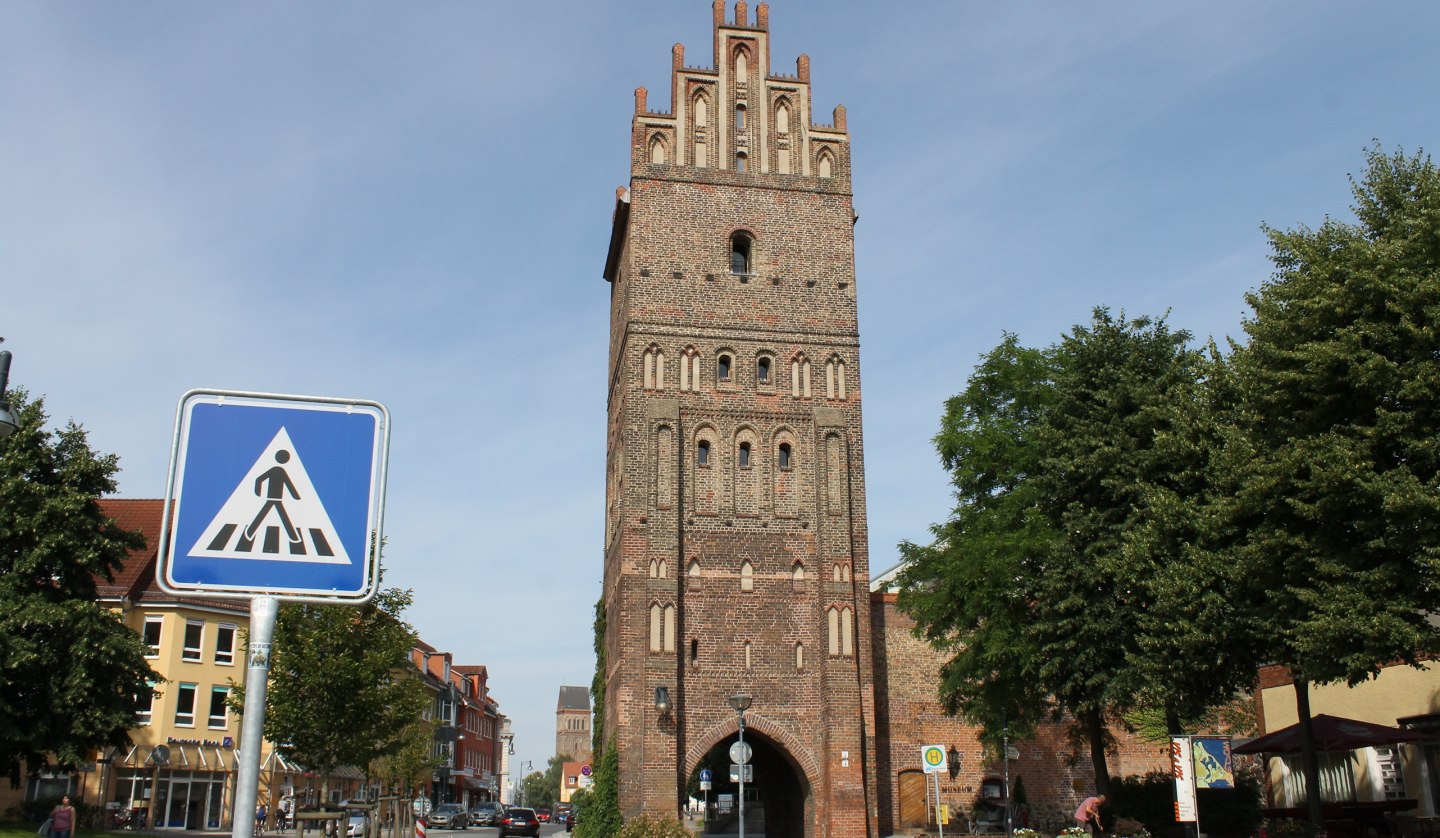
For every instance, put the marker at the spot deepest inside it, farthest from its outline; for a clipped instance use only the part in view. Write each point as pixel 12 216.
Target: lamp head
pixel 662 700
pixel 740 701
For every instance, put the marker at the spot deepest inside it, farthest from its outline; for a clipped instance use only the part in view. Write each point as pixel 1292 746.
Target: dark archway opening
pixel 776 795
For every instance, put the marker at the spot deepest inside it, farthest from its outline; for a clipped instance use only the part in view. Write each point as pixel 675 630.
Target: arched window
pixel 654 569
pixel 800 377
pixel 739 119
pixel 747 655
pixel 740 247
pixel 722 368
pixel 657 149
pixel 690 369
pixel 654 368
pixel 669 639
pixel 832 625
pixel 702 452
pixel 744 455
pixel 841 573
pixel 747 576
pixel 702 111
pixel 741 162
pixel 799 655
pixel 657 627
pixel 826 165
pixel 782 119
pixel 835 378
pixel 783 458
pixel 762 370
pixel 662 569
pixel 742 66
pixel 841 625
pixel 692 575
pixel 797 576
pixel 694 650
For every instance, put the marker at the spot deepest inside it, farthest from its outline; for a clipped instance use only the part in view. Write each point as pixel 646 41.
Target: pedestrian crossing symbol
pixel 275 496
pixel 273 514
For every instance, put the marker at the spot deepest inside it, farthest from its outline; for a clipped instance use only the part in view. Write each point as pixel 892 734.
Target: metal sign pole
pixel 939 821
pixel 257 683
pixel 742 774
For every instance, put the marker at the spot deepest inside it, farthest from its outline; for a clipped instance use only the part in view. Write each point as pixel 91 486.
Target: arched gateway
pixel 735 540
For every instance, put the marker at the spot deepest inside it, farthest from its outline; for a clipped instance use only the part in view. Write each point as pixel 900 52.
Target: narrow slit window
pixel 747 576
pixel 740 162
pixel 722 368
pixel 762 370
pixel 739 119
pixel 740 254
pixel 744 455
pixel 784 455
pixel 702 453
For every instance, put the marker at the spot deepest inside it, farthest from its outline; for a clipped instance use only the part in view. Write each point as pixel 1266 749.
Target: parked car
pixel 486 814
pixel 542 814
pixel 447 816
pixel 519 821
pixel 357 826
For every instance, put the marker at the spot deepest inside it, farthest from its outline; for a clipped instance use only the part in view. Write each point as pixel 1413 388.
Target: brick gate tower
pixel 735 538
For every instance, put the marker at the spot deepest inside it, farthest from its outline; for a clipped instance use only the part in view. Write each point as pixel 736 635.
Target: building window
pixel 762 370
pixel 692 575
pixel 841 573
pixel 800 377
pixel 740 249
pixel 826 164
pixel 662 628
pixel 694 650
pixel 690 369
pixel 835 378
pixel 151 636
pixel 797 577
pixel 740 166
pixel 748 662
pixel 722 368
pixel 744 455
pixel 185 705
pixel 799 655
pixel 218 695
pixel 225 644
pixel 782 119
pixel 194 640
pixel 739 119
pixel 841 624
pixel 654 369
pixel 145 713
pixel 747 576
pixel 702 453
pixel 783 457
pixel 657 149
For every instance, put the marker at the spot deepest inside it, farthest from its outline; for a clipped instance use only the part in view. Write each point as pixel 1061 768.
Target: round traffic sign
pixel 704 775
pixel 585 769
pixel 740 752
pixel 933 758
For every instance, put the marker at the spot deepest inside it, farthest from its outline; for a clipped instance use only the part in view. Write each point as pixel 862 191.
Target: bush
pixel 648 827
pixel 1224 813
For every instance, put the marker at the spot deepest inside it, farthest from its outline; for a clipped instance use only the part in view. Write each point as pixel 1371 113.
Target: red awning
pixel 1332 733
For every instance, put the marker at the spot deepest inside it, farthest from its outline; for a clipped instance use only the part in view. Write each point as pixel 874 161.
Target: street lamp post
pixel 8 423
pixel 741 703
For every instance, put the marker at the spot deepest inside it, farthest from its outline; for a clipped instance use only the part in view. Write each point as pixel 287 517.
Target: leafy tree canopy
pixel 1340 382
pixel 342 691
pixel 72 676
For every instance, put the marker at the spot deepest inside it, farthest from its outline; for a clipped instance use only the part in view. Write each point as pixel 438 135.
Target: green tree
pixel 342 691
pixel 1340 385
pixel 412 760
pixel 601 817
pixel 72 676
pixel 1035 586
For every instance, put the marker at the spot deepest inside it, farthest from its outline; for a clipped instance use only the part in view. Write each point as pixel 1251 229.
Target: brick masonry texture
pixel 678 532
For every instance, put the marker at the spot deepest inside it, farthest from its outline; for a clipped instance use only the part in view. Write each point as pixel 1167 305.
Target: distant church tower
pixel 735 535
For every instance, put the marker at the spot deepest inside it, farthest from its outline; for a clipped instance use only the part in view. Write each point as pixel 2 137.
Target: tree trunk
pixel 1094 727
pixel 1307 748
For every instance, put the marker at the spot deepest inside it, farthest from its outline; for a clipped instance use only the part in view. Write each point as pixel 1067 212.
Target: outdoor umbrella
pixel 1332 733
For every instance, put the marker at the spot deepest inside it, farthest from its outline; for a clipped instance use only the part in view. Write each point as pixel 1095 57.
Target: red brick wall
pixel 909 716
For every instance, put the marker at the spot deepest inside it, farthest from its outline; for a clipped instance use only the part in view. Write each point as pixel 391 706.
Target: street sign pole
pixel 247 786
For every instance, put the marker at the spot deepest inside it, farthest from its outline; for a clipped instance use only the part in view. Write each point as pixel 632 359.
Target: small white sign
pixel 1182 768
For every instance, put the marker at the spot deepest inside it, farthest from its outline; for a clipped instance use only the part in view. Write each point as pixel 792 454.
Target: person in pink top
pixel 1088 815
pixel 62 819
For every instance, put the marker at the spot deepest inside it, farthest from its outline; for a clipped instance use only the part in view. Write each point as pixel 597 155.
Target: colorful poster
pixel 1213 769
pixel 1182 768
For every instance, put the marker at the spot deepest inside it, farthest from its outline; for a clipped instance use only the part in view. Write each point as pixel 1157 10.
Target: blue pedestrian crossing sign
pixel 275 496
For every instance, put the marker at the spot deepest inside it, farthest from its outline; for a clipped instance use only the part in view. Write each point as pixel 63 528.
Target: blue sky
pixel 410 202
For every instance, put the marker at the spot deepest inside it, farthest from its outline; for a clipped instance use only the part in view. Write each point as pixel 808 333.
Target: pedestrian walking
pixel 1088 815
pixel 260 818
pixel 62 819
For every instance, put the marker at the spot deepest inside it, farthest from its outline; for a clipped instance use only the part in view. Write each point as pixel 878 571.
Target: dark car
pixel 486 814
pixel 518 821
pixel 447 816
